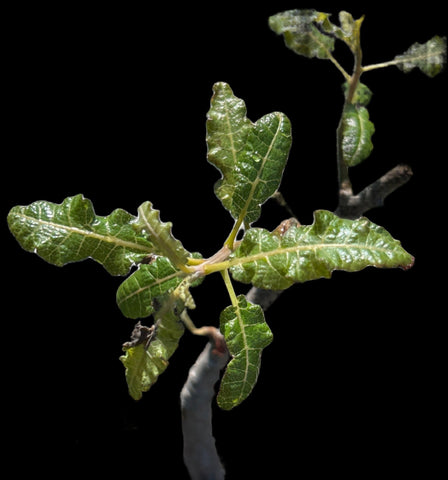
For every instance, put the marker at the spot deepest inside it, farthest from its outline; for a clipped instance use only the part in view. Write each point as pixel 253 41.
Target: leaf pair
pixel 72 232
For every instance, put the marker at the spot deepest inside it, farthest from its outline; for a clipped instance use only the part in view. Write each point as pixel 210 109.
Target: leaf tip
pixel 410 264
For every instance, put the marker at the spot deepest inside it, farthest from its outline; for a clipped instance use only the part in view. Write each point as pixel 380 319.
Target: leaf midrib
pixel 217 267
pixel 259 172
pixel 88 233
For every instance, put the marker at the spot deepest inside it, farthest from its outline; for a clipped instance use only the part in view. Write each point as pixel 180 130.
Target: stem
pixel 373 195
pixel 229 243
pixel 229 286
pixel 338 66
pixel 374 66
pixel 345 185
pixel 331 58
pixel 200 455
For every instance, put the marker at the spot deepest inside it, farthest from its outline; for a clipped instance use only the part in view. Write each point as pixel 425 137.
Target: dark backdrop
pixel 111 102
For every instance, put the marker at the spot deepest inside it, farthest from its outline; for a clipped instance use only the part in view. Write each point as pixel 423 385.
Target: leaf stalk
pixel 229 286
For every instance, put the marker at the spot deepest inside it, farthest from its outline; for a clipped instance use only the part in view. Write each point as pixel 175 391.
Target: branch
pixel 374 195
pixel 200 455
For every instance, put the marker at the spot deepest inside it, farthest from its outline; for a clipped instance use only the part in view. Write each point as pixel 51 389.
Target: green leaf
pixel 357 131
pixel 160 235
pixel 246 334
pixel 429 57
pixel 309 252
pixel 300 31
pixel 136 294
pixel 71 232
pixel 148 358
pixel 250 156
pixel 362 95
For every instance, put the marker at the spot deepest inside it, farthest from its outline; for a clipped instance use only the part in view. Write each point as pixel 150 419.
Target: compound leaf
pixel 306 253
pixel 429 57
pixel 246 334
pixel 301 34
pixel 71 232
pixel 357 131
pixel 145 360
pixel 136 294
pixel 250 156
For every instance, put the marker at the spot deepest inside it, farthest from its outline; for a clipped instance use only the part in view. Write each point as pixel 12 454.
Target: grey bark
pixel 200 455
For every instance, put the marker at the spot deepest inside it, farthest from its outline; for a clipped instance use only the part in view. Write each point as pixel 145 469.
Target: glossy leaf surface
pixel 160 234
pixel 357 134
pixel 429 57
pixel 250 156
pixel 145 361
pixel 246 334
pixel 136 294
pixel 309 252
pixel 71 232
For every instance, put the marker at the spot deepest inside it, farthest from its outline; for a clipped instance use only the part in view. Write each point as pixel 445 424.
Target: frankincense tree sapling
pixel 251 157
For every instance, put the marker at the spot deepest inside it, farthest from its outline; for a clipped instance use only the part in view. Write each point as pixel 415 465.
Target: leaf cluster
pixel 312 34
pixel 251 158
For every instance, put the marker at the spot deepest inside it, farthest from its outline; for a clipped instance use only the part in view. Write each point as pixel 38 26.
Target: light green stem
pixel 229 286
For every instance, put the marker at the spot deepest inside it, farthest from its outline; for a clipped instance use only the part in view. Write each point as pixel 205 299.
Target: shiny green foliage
pixel 149 224
pixel 429 57
pixel 136 294
pixel 357 131
pixel 146 360
pixel 309 252
pixel 71 232
pixel 246 334
pixel 250 156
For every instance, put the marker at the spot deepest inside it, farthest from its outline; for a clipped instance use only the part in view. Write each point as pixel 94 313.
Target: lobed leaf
pixel 250 156
pixel 71 232
pixel 135 296
pixel 145 361
pixel 309 252
pixel 301 33
pixel 429 57
pixel 357 131
pixel 246 334
pixel 160 234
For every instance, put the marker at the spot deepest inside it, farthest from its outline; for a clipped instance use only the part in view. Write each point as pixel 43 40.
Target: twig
pixel 374 195
pixel 200 455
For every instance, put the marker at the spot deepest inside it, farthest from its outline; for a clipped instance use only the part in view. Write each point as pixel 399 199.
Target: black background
pixel 111 102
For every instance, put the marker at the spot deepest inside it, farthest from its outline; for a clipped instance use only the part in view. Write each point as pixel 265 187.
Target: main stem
pixel 345 185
